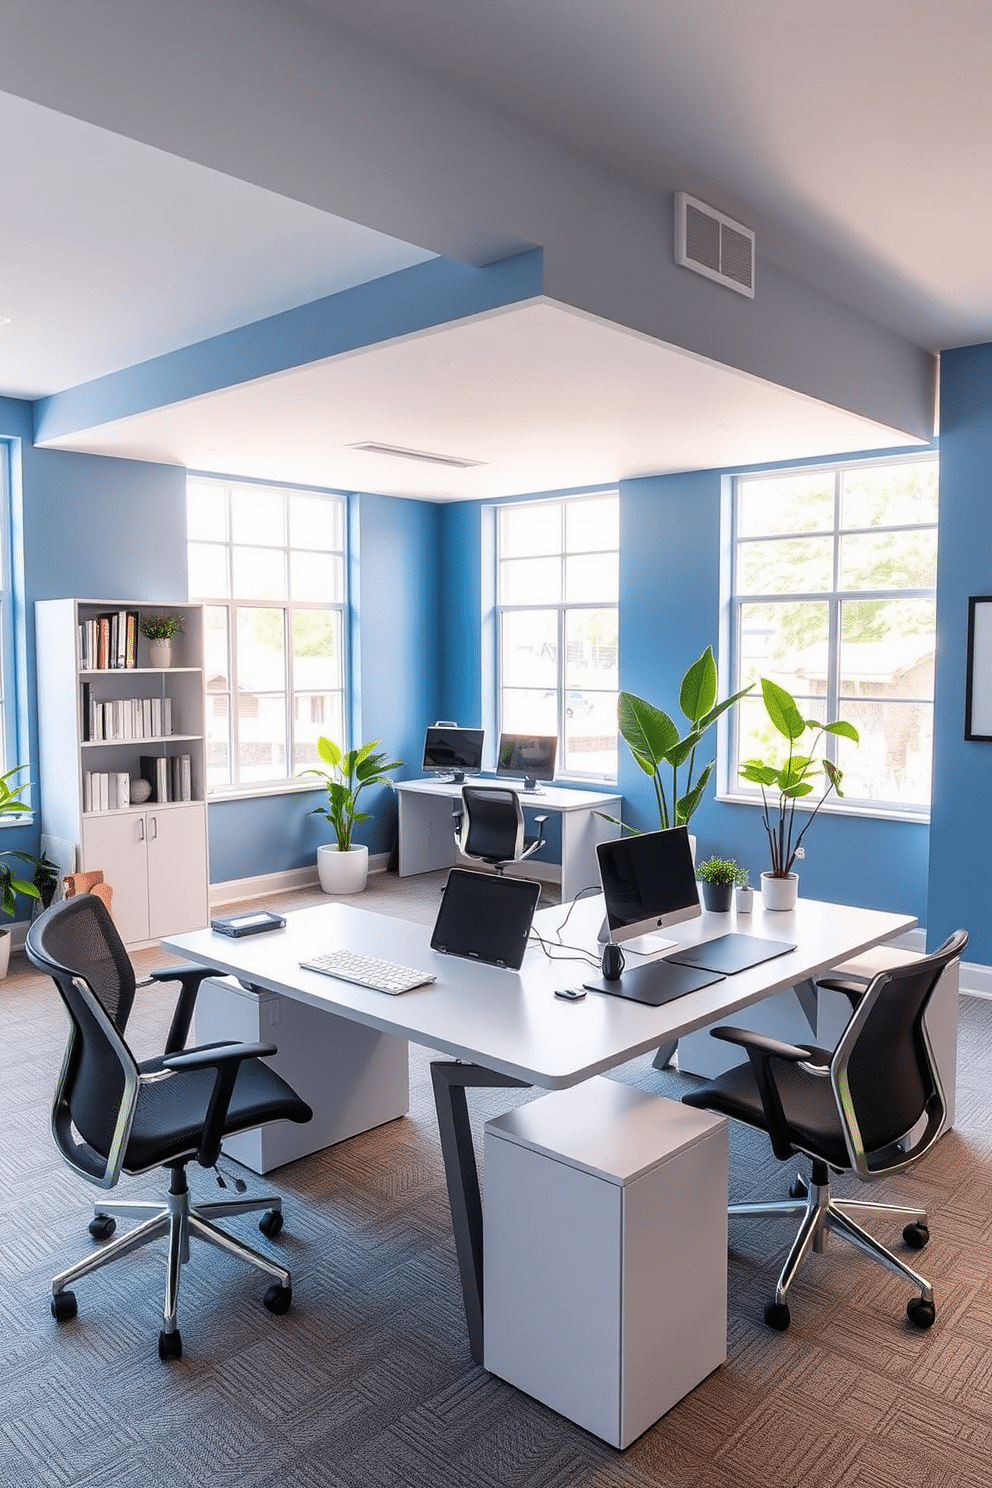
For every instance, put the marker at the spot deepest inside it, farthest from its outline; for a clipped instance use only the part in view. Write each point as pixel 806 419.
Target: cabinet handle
pixel 154 825
pixel 141 829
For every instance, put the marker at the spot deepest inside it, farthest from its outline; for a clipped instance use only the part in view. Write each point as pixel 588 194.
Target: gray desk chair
pixel 113 1115
pixel 489 826
pixel 872 1107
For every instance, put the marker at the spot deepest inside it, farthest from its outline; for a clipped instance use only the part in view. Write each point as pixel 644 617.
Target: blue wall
pixel 960 887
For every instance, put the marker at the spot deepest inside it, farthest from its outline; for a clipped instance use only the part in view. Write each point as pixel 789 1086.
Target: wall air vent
pixel 399 453
pixel 713 245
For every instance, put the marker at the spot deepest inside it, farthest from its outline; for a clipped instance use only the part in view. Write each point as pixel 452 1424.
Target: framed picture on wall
pixel 978 693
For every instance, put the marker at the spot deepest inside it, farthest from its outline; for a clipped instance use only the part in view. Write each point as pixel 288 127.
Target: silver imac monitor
pixel 453 751
pixel 531 756
pixel 648 883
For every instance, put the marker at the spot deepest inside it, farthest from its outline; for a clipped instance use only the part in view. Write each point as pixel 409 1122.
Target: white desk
pixel 427 839
pixel 509 1026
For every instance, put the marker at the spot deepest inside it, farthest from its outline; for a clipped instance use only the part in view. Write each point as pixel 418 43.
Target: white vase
pixel 4 952
pixel 779 893
pixel 342 872
pixel 745 900
pixel 160 653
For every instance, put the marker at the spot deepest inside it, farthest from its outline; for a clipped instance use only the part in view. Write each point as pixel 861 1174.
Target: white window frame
pixel 732 788
pixel 13 646
pixel 290 782
pixel 562 608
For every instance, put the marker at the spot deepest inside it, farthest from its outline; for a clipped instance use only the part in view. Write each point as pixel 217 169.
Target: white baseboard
pixel 235 890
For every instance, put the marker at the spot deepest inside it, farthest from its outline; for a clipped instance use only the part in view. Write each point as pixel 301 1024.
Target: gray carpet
pixel 367 1381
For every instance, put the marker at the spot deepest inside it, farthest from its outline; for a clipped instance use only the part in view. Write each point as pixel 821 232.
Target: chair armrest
pixel 853 988
pixel 226 1060
pixel 189 977
pixel 768 1046
pixel 761 1050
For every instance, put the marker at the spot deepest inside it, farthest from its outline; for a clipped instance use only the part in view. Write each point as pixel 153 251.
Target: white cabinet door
pixel 117 845
pixel 177 876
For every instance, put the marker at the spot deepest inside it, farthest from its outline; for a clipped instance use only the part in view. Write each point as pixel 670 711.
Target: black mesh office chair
pixel 113 1115
pixel 871 1107
pixel 489 826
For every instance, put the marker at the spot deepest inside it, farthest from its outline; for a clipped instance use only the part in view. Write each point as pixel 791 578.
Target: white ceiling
pixel 543 397
pixel 856 138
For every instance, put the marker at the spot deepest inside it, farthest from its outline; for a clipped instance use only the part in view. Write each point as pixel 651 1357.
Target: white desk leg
pixel 580 831
pixel 426 832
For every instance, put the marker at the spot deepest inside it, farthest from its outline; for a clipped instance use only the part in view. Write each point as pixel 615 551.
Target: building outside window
pixel 268 564
pixel 556 591
pixel 834 597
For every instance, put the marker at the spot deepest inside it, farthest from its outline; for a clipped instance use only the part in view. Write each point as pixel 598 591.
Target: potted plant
pixel 719 877
pixel 789 783
pixel 343 866
pixel 662 752
pixel 11 883
pixel 159 630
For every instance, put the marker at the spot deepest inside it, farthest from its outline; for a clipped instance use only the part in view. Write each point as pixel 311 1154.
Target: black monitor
pixel 529 755
pixel 453 751
pixel 649 882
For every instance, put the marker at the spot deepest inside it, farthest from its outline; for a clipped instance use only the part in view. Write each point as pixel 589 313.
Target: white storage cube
pixel 353 1077
pixel 606 1253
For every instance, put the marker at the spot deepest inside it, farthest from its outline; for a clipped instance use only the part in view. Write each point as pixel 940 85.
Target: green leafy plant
pixel 722 871
pixel 161 627
pixel 345 778
pixel 793 780
pixel 11 883
pixel 662 753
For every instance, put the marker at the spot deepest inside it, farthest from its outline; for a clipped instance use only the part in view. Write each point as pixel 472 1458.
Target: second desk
pixel 427 838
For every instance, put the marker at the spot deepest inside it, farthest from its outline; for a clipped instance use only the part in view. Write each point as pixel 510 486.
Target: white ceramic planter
pixel 779 893
pixel 342 872
pixel 745 900
pixel 4 952
pixel 160 653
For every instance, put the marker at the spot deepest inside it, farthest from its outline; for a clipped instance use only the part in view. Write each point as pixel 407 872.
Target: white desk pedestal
pixel 353 1077
pixel 606 1253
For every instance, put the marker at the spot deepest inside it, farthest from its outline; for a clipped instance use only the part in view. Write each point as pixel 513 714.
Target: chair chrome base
pixel 822 1214
pixel 178 1218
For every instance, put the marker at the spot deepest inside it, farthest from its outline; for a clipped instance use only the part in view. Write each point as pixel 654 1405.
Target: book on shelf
pixel 155 769
pixel 180 783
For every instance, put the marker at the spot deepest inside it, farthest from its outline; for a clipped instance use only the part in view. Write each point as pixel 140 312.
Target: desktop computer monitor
pixel 529 755
pixel 648 883
pixel 453 751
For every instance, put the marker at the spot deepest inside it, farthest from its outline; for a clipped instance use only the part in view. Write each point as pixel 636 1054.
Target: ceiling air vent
pixel 399 453
pixel 714 245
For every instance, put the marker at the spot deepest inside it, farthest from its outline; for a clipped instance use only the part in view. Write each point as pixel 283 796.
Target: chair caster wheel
pixel 102 1226
pixel 270 1223
pixel 916 1236
pixel 278 1298
pixel 920 1313
pixel 170 1345
pixel 63 1306
pixel 777 1316
pixel 799 1188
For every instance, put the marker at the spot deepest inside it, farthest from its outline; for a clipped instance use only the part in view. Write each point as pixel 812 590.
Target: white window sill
pixel 880 812
pixel 272 788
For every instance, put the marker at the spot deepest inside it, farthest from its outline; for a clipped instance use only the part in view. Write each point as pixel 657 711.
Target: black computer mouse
pixel 613 962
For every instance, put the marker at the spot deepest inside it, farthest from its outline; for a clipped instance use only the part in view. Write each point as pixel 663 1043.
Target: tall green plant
pixel 345 779
pixel 662 752
pixel 11 883
pixel 792 780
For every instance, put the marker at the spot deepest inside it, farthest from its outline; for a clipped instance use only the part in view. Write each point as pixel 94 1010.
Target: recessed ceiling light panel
pixel 425 456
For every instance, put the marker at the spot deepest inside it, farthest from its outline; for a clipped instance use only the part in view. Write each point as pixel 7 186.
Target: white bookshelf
pixel 153 854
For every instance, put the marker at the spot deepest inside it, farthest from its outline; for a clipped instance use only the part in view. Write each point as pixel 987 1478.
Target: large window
pixel 834 583
pixel 268 565
pixel 556 592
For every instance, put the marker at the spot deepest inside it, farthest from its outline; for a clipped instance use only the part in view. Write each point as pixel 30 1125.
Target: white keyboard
pixel 369 971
